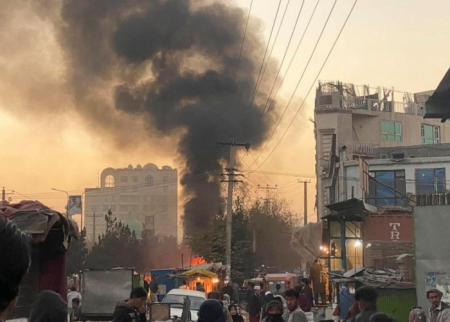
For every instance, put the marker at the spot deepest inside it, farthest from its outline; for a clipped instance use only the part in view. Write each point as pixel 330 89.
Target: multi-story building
pixel 360 119
pixel 400 178
pixel 141 197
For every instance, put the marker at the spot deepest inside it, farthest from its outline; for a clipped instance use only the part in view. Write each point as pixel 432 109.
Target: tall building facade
pixel 144 198
pixel 359 119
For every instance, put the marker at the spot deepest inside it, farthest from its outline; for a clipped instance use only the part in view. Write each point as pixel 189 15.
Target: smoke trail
pixel 173 65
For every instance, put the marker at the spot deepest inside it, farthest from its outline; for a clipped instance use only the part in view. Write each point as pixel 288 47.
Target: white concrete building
pixel 141 197
pixel 361 119
pixel 410 177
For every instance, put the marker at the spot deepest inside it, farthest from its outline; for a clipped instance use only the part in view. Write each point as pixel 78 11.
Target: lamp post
pixel 84 205
pixel 67 204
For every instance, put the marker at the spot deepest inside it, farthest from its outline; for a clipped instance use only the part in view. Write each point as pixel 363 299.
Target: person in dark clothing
pixel 277 290
pixel 268 298
pixel 234 313
pixel 76 310
pixel 274 312
pixel 254 305
pixel 249 291
pixel 211 311
pixel 14 263
pixel 307 291
pixel 228 289
pixel 381 317
pixel 48 307
pixel 367 301
pixel 154 288
pixel 132 310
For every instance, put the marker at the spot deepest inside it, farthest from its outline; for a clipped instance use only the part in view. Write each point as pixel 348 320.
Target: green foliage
pixel 269 225
pixel 118 247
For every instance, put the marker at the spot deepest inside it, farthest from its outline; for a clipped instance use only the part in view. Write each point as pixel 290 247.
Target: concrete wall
pixel 368 128
pixel 431 225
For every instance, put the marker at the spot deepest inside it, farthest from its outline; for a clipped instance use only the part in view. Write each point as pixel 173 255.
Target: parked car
pixel 176 299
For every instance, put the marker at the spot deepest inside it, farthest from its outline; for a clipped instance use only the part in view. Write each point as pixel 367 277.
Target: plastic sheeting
pixel 102 289
pixel 306 241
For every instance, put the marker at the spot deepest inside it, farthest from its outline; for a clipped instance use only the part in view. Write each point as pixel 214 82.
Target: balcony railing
pixel 364 148
pixel 371 104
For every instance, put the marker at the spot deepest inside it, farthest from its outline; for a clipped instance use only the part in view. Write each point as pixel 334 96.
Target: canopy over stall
pixel 50 234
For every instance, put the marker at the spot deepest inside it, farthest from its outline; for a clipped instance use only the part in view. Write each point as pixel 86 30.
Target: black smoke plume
pixel 174 63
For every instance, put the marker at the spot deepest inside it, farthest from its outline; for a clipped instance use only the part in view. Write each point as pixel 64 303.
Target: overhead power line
pixel 243 39
pixel 312 85
pixel 298 84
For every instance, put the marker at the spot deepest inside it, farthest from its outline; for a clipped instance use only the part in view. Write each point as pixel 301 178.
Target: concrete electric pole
pixel 231 180
pixel 305 200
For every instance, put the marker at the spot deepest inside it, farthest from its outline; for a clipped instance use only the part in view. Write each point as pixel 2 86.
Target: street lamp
pixel 67 204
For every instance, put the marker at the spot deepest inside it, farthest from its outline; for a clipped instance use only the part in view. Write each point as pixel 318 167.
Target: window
pixel 164 189
pixel 123 208
pixel 113 208
pixel 149 180
pixel 123 179
pixel 145 208
pixel 387 188
pixel 134 189
pixel 430 134
pixel 430 181
pixel 391 131
pixel 165 179
pixel 109 181
pixel 105 208
pixel 134 178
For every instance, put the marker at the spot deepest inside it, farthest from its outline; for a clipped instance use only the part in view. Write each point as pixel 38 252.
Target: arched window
pixel 109 181
pixel 149 180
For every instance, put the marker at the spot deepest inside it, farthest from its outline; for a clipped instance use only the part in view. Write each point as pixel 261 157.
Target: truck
pixel 101 289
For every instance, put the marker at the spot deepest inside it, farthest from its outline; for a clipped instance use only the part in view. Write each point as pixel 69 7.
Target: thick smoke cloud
pixel 175 66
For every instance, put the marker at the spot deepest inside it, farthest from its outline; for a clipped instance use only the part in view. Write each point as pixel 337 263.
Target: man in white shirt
pixel 73 294
pixel 295 312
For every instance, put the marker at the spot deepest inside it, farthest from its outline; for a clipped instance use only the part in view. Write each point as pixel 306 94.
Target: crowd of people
pixel 290 306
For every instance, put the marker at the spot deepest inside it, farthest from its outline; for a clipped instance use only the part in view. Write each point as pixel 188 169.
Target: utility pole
pixel 4 194
pixel 231 180
pixel 305 200
pixel 267 200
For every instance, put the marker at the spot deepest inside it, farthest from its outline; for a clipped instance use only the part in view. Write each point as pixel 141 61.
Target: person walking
pixel 439 311
pixel 133 309
pixel 295 313
pixel 254 305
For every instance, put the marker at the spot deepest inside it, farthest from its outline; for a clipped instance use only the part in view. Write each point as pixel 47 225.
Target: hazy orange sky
pixel 403 44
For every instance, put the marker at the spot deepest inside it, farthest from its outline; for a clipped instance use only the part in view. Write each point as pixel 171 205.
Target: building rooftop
pixel 338 95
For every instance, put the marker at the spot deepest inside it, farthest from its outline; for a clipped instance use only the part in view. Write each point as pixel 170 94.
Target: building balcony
pixel 364 148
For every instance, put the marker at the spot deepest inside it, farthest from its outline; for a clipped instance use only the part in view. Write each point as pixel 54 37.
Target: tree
pixel 118 247
pixel 76 255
